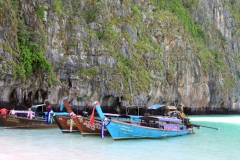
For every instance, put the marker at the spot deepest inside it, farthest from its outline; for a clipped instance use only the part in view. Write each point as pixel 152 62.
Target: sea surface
pixel 52 144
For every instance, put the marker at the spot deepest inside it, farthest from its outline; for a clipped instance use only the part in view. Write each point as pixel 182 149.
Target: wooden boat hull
pixel 22 122
pixel 83 123
pixel 64 122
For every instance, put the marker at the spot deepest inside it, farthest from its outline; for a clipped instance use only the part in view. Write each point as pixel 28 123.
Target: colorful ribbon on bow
pixel 49 111
pixel 102 130
pixel 72 115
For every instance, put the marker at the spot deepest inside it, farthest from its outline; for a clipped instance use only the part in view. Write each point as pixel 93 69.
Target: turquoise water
pixel 52 144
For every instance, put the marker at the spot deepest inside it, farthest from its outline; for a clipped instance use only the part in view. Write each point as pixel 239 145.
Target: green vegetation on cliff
pixel 130 36
pixel 213 61
pixel 32 60
pixel 29 52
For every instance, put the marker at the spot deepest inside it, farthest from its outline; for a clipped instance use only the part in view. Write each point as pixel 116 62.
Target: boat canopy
pixel 156 106
pixel 165 119
pixel 55 113
pixel 34 107
pixel 41 111
pixel 134 117
pixel 21 111
pixel 60 113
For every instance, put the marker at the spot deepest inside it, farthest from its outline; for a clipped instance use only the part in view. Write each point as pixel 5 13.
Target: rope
pixel 108 122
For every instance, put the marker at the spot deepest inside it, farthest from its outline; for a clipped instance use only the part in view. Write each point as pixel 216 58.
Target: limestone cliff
pixel 123 53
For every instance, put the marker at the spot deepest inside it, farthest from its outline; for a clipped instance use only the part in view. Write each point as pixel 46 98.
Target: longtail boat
pixel 83 123
pixel 66 124
pixel 20 120
pixel 148 127
pixel 9 122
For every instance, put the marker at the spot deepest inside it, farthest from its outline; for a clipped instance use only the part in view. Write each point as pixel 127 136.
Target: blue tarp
pixel 156 106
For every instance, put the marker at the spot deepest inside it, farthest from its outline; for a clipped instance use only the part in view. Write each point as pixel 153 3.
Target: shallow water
pixel 52 144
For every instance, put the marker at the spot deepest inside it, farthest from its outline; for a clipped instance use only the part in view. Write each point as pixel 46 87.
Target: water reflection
pixel 52 144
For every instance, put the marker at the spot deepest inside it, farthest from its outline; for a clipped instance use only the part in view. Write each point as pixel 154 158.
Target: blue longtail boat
pixel 147 127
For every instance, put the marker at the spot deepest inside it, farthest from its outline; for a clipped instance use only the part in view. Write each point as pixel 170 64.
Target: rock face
pixel 125 54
